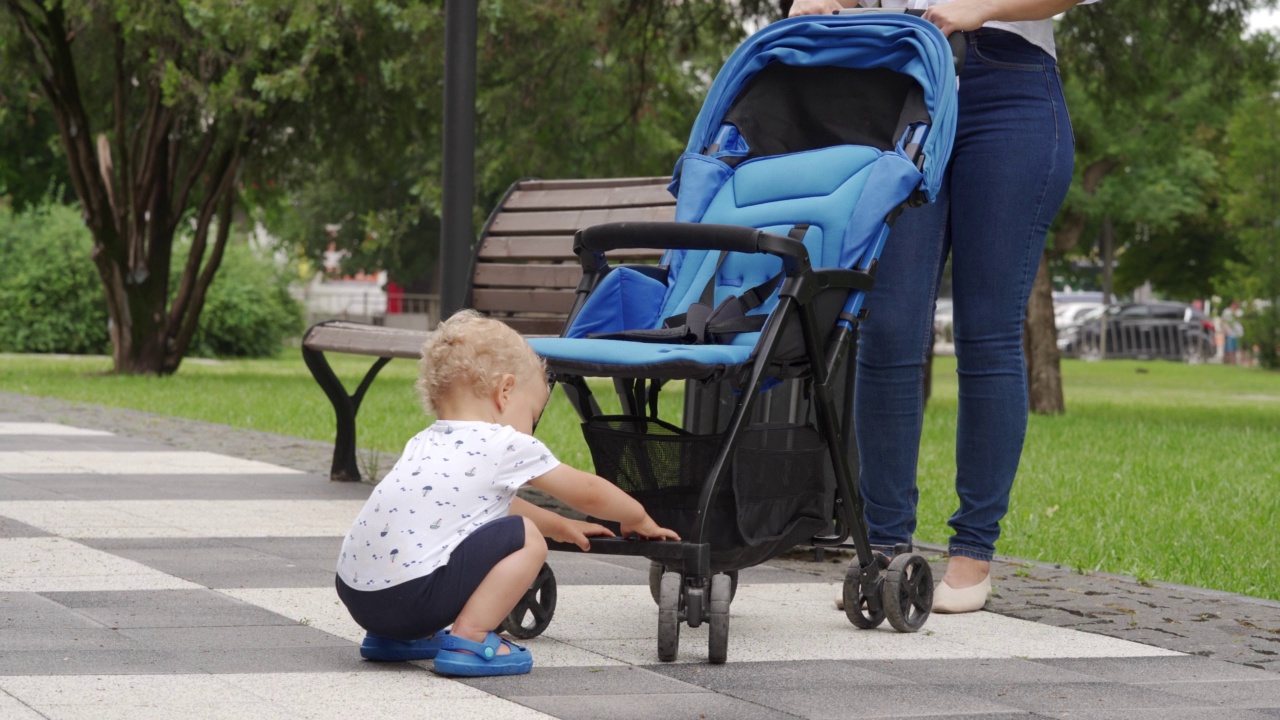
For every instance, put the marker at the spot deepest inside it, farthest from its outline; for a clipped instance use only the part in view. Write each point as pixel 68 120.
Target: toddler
pixel 443 540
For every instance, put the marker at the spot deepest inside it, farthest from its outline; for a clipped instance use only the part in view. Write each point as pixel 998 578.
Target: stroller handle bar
pixel 590 242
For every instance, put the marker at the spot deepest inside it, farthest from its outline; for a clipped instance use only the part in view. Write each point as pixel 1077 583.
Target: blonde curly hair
pixel 470 352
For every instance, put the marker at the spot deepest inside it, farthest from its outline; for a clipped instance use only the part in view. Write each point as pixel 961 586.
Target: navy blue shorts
pixel 425 605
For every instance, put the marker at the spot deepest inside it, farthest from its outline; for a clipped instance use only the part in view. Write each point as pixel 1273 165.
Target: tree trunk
pixel 1040 343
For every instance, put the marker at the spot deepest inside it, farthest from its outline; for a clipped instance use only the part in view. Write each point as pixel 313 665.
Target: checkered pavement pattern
pixel 142 581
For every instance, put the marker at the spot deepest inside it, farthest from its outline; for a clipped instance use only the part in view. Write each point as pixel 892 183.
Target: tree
pixel 165 109
pixel 1254 170
pixel 1150 86
pixel 594 88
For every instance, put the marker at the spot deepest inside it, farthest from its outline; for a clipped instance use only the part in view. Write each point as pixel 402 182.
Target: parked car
pixel 943 332
pixel 1068 314
pixel 1146 331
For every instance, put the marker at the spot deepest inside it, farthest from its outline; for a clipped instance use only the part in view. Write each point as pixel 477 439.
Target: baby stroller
pixel 815 135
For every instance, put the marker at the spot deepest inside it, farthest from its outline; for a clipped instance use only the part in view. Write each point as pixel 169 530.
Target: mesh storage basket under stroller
pixel 778 493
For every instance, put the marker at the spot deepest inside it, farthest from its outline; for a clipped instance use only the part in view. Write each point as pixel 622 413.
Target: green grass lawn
pixel 1158 470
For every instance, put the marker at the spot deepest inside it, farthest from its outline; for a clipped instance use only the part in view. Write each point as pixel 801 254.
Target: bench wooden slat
pixel 527 275
pixel 360 339
pixel 549 247
pixel 557 222
pixel 535 326
pixel 589 198
pixel 546 301
pixel 579 184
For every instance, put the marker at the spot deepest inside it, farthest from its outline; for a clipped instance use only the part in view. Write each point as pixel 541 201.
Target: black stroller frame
pixel 682 580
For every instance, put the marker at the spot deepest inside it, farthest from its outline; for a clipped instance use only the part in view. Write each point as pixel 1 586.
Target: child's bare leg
pixel 502 588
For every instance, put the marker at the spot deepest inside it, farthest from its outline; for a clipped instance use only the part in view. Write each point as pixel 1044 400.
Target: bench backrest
pixel 525 271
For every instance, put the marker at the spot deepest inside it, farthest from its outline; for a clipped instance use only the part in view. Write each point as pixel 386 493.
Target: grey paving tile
pixel 979 671
pixel 220 564
pixel 129 661
pixel 1159 669
pixel 583 681
pixel 66 640
pixel 325 549
pixel 1228 693
pixel 14 529
pixel 12 488
pixel 29 611
pixel 1066 697
pixel 166 608
pixel 1194 713
pixel 266 637
pixel 886 700
pixel 768 677
pixel 1265 712
pixel 280 660
pixel 583 569
pixel 695 706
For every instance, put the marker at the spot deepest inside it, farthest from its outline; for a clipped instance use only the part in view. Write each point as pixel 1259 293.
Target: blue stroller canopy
pixel 896 41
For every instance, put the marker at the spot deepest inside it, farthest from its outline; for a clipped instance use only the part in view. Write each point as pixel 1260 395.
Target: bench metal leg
pixel 345 407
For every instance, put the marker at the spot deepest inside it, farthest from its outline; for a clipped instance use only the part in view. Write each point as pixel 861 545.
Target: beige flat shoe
pixel 947 599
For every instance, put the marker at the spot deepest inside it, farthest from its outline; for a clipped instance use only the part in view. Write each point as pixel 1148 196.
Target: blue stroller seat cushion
pixel 625 299
pixel 626 358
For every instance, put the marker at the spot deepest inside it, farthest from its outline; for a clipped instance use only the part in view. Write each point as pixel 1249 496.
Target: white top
pixel 452 478
pixel 1036 32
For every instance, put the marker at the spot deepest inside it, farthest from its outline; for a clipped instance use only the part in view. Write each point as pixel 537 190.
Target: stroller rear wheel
pixel 669 596
pixel 533 613
pixel 721 596
pixel 908 592
pixel 858 600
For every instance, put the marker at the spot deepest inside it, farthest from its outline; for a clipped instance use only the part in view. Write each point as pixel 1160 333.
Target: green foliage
pixel 31 164
pixel 1150 111
pixel 49 288
pixel 249 311
pixel 585 88
pixel 1254 212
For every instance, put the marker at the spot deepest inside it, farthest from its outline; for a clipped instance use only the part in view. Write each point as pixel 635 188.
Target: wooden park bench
pixel 524 273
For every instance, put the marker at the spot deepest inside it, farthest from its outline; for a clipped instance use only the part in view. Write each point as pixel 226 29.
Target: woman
pixel 1008 176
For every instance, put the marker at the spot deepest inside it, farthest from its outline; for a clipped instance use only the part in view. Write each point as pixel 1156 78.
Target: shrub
pixel 49 288
pixel 248 311
pixel 53 302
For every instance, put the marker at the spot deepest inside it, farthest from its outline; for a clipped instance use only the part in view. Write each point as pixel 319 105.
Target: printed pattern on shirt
pixel 451 479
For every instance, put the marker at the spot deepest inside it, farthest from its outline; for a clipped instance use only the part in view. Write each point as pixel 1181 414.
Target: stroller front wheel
pixel 669 616
pixel 721 596
pixel 908 592
pixel 862 603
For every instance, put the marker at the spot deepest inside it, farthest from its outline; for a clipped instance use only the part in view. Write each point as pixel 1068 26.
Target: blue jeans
pixel 1008 176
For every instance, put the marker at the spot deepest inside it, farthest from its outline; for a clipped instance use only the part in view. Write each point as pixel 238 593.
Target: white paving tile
pixel 320 608
pixel 133 463
pixel 379 694
pixel 185 518
pixel 32 428
pixel 384 692
pixel 1012 637
pixel 52 564
pixel 13 709
pixel 799 622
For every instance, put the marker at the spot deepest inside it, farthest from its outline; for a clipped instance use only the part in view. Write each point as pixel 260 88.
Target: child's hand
pixel 649 530
pixel 578 532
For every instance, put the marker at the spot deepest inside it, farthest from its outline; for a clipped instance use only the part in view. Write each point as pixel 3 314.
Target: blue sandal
pixel 459 656
pixel 385 649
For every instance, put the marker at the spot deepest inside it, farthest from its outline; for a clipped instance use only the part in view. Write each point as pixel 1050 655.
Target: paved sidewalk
pixel 159 568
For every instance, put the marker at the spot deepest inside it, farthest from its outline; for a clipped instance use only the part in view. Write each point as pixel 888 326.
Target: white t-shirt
pixel 452 478
pixel 1036 32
